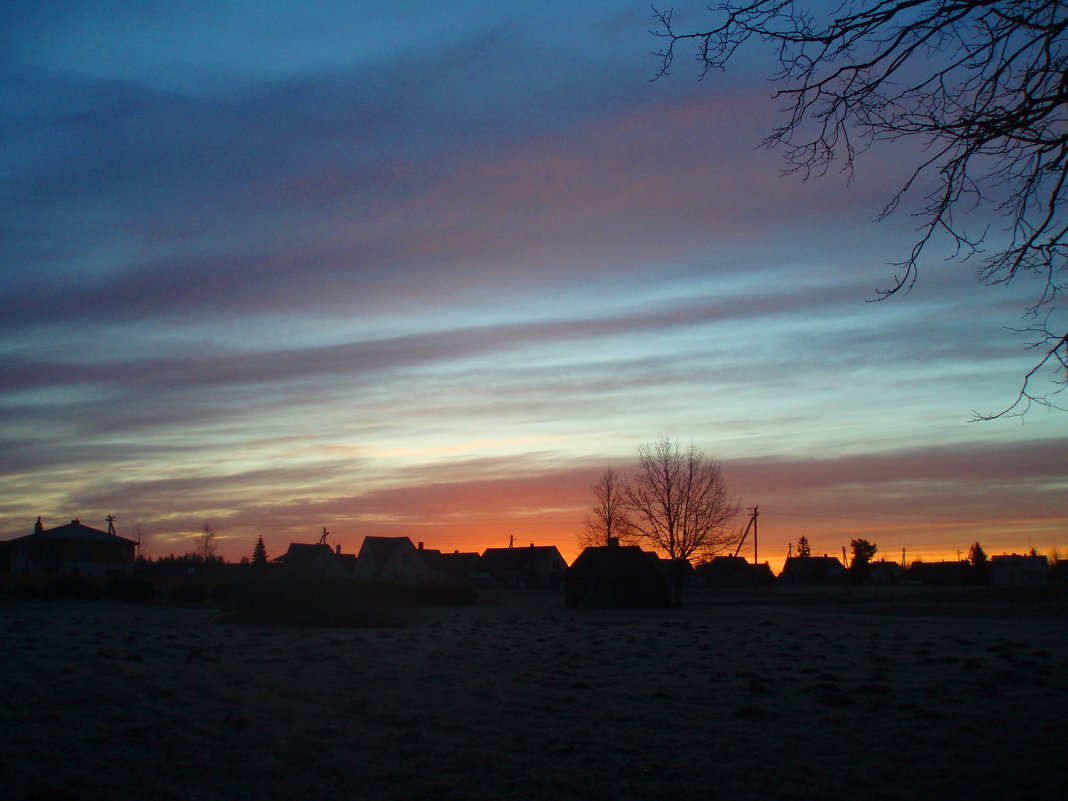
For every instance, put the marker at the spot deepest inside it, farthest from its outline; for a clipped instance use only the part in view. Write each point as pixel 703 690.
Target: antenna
pixel 322 539
pixel 111 524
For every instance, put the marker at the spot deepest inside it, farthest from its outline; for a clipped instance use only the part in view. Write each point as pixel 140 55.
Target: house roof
pixel 1022 559
pixel 812 568
pixel 382 549
pixel 722 566
pixel 74 531
pixel 301 553
pixel 614 562
pixel 512 558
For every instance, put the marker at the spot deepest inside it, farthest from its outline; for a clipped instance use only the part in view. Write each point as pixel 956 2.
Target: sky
pixel 427 269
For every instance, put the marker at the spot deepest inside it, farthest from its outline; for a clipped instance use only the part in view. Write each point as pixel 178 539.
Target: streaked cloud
pixel 387 272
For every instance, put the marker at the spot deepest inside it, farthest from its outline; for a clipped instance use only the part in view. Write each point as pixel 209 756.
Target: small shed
pixel 616 575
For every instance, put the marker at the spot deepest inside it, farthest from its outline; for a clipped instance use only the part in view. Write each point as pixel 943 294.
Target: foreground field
pixel 523 699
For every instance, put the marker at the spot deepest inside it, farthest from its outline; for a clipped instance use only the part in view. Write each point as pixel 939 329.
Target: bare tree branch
pixel 982 84
pixel 679 501
pixel 610 513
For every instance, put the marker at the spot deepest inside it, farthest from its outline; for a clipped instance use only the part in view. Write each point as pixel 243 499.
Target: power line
pixel 875 517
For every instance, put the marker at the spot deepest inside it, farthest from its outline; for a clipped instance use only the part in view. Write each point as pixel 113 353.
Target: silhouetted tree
pixel 980 564
pixel 862 554
pixel 206 546
pixel 679 503
pixel 609 516
pixel 803 548
pixel 976 555
pixel 981 84
pixel 259 553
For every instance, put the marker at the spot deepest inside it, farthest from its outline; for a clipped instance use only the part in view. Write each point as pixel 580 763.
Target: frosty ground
pixel 518 697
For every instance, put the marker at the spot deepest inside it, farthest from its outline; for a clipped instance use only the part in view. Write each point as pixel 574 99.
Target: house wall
pixel 406 564
pixel 66 558
pixel 1018 570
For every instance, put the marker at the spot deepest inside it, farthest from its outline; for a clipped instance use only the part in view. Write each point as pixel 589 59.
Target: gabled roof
pixel 511 558
pixel 301 553
pixel 724 566
pixel 74 531
pixel 382 549
pixel 812 569
pixel 615 562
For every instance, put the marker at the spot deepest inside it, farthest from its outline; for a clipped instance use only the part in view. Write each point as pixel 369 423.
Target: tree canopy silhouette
pixel 863 552
pixel 979 563
pixel 259 553
pixel 980 83
pixel 679 501
pixel 609 518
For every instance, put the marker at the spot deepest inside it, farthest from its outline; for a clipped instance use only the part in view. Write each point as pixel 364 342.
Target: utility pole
pixel 756 514
pixel 751 525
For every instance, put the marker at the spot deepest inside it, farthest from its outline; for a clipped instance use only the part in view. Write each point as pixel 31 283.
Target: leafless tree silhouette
pixel 610 513
pixel 206 545
pixel 983 84
pixel 679 501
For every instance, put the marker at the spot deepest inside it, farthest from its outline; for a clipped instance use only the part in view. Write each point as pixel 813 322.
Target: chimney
pixel 76 522
pixel 38 528
pixel 338 551
pixel 613 542
pixel 532 545
pixel 420 546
